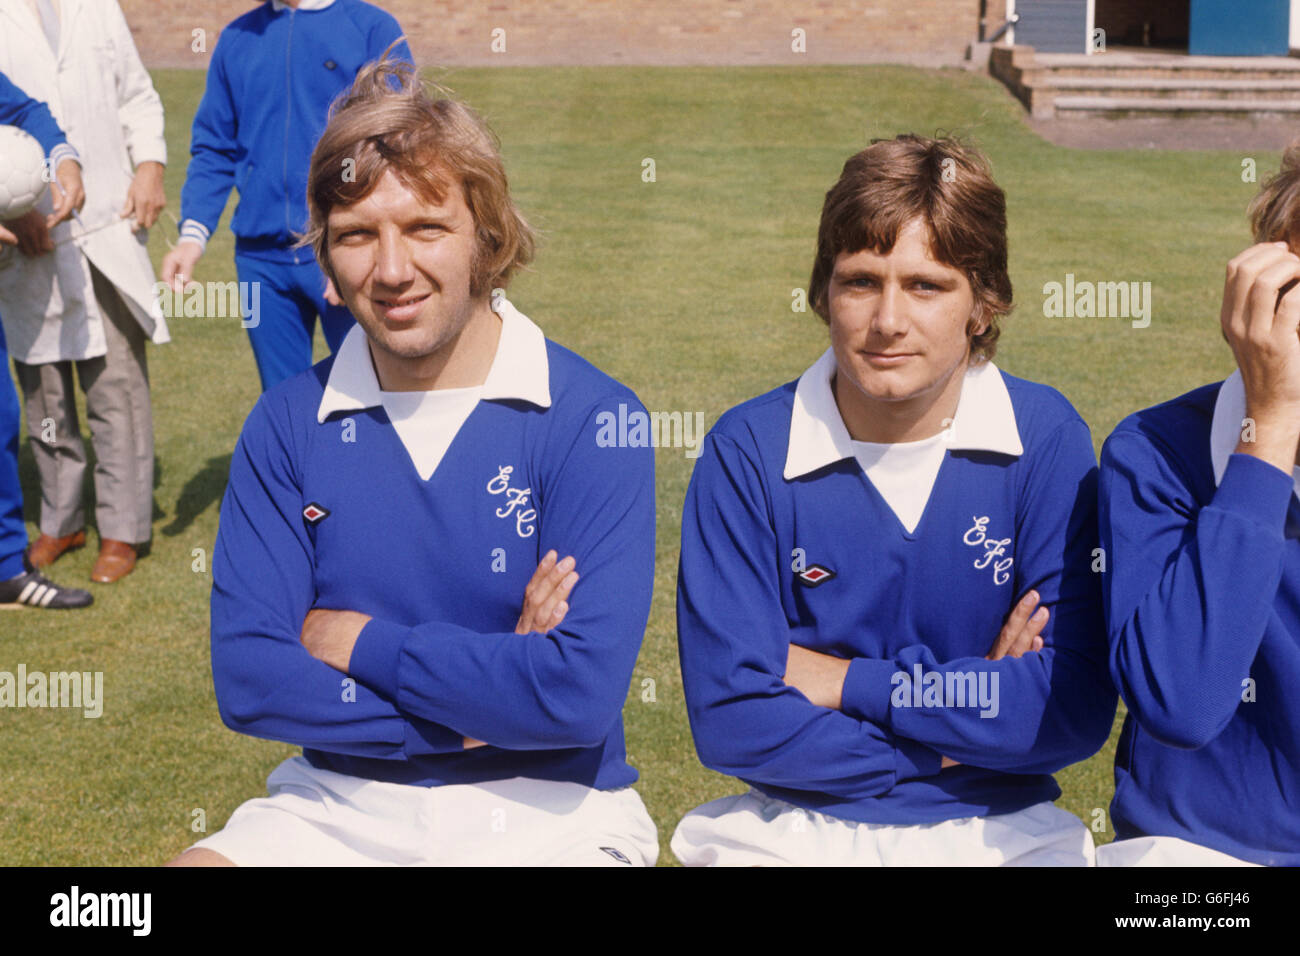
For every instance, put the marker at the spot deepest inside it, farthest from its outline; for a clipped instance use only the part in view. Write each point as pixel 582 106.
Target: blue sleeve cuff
pixel 867 689
pixel 376 654
pixel 912 759
pixel 1254 489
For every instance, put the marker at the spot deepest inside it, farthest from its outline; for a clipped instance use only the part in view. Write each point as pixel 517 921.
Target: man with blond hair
pixel 390 510
pixel 888 623
pixel 1199 518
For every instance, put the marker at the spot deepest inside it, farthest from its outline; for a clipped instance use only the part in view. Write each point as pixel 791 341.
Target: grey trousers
pixel 116 386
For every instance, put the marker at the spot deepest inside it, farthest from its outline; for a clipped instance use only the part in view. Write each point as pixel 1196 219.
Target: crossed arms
pixel 745 683
pixel 426 689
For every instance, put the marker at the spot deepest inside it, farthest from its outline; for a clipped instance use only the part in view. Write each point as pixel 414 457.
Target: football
pixel 22 168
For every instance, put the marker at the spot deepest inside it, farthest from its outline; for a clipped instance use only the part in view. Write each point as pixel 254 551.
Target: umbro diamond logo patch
pixel 315 514
pixel 617 854
pixel 815 574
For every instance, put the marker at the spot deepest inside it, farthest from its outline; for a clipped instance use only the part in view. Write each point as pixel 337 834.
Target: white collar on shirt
pixel 519 369
pixel 985 419
pixel 277 6
pixel 1225 427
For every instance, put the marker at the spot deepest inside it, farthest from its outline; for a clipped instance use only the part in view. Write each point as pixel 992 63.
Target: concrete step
pixel 1153 72
pixel 1172 106
pixel 1169 83
pixel 1138 83
pixel 1163 65
pixel 1172 88
pixel 1163 61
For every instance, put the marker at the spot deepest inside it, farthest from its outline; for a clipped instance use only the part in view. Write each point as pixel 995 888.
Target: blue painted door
pixel 1239 27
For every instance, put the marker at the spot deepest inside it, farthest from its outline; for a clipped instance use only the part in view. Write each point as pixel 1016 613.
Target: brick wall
pixel 620 31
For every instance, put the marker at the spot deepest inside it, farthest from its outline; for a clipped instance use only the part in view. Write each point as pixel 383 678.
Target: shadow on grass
pixel 204 488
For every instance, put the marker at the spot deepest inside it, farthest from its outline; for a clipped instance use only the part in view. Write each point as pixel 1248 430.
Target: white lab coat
pixel 104 100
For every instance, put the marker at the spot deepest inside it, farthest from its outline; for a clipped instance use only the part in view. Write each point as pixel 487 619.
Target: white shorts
pixel 754 829
pixel 1163 851
pixel 320 818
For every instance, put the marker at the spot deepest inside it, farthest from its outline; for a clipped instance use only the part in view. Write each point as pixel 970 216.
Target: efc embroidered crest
pixel 315 514
pixel 516 501
pixel 994 549
pixel 814 575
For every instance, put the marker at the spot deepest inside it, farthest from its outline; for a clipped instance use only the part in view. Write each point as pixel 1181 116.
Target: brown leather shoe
pixel 45 550
pixel 115 561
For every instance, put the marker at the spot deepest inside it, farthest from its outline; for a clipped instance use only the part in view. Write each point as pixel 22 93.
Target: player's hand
pixel 948 762
pixel 69 193
pixel 1020 633
pixel 178 265
pixel 329 636
pixel 29 233
pixel 1260 317
pixel 819 677
pixel 146 197
pixel 546 598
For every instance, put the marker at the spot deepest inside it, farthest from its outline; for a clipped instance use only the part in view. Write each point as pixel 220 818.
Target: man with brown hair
pixel 389 511
pixel 1199 518
pixel 888 622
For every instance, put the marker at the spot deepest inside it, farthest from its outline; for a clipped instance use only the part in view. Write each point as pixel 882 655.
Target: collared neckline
pixel 520 369
pixel 985 419
pixel 1225 427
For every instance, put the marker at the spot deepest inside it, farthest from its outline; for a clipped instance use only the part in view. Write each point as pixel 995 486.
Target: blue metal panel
pixel 1053 26
pixel 1237 28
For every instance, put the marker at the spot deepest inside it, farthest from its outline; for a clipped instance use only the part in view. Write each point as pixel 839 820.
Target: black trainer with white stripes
pixel 33 589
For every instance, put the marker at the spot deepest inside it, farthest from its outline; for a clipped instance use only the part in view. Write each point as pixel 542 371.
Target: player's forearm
pixel 782 740
pixel 266 688
pixel 755 724
pixel 1033 714
pixel 268 685
pixel 562 689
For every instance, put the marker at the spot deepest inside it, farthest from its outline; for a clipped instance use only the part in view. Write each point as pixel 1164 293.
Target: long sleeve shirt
pixel 1202 600
pixel 325 508
pixel 785 541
